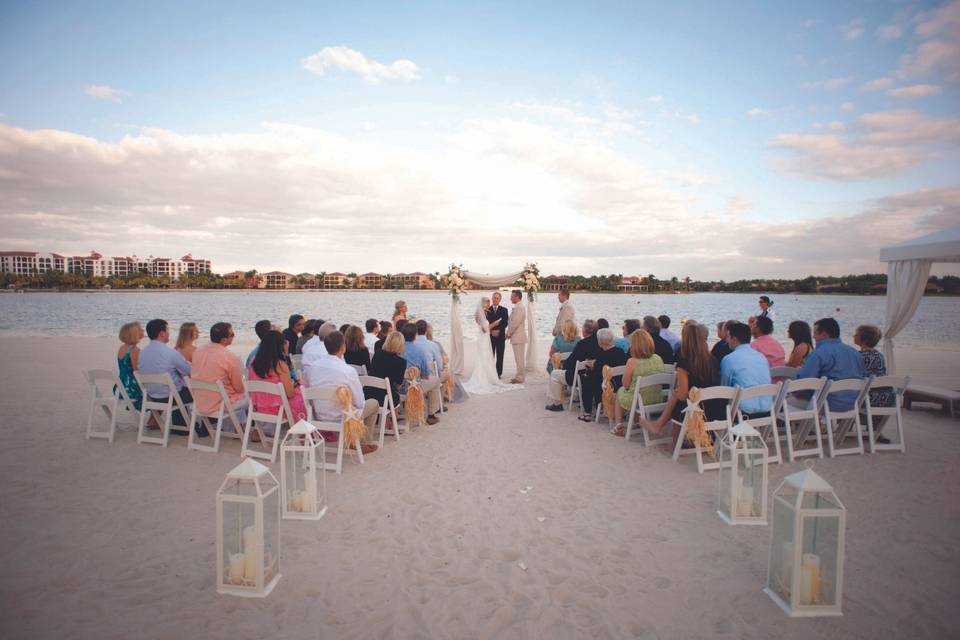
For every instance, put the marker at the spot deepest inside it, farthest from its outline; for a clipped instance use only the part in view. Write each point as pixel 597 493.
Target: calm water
pixel 936 324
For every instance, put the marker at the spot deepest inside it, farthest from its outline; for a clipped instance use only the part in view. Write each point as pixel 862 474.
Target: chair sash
pixel 608 395
pixel 354 431
pixel 414 403
pixel 694 423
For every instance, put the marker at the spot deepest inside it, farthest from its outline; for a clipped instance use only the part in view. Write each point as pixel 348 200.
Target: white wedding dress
pixel 484 379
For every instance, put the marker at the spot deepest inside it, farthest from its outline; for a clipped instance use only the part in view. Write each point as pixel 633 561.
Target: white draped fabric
pixel 456 339
pixel 483 281
pixel 906 282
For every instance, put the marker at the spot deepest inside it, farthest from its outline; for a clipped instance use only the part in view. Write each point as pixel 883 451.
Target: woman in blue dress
pixel 127 356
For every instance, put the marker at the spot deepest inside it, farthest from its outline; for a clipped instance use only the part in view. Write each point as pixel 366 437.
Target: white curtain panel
pixel 484 281
pixel 906 282
pixel 532 364
pixel 456 339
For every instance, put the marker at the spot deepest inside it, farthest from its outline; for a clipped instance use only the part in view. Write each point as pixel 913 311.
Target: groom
pixel 517 332
pixel 497 336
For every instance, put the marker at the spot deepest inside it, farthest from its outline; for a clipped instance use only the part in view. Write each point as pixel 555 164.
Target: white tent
pixel 908 268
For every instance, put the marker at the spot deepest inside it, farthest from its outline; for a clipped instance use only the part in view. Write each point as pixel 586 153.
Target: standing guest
pixel 388 363
pixel 399 311
pixel 262 328
pixel 665 333
pixel 586 349
pixel 416 355
pixel 662 347
pixel 158 357
pixel 386 328
pixel 356 351
pixel 188 335
pixel 643 362
pixel 128 356
pixel 695 368
pixel 517 333
pixel 292 333
pixel 745 367
pixel 565 342
pixel 766 308
pixel 799 332
pixel 566 312
pixel 721 349
pixel 623 342
pixel 270 365
pixel 309 330
pixel 330 371
pixel 834 360
pixel 370 337
pixel 765 343
pixel 609 356
pixel 213 362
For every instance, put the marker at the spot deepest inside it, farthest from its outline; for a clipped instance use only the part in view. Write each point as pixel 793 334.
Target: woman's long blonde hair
pixel 188 334
pixel 570 330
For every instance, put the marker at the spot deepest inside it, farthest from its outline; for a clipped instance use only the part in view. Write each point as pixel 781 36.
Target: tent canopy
pixel 942 246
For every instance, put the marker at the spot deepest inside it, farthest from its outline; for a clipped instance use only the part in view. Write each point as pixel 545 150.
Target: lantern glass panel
pixel 750 469
pixel 239 563
pixel 782 550
pixel 271 534
pixel 723 490
pixel 818 583
pixel 818 500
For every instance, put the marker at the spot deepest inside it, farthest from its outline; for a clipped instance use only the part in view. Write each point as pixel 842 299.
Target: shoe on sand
pixel 554 407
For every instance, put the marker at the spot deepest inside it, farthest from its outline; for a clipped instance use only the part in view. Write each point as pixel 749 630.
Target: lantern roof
pixel 808 480
pixel 249 469
pixel 302 428
pixel 744 429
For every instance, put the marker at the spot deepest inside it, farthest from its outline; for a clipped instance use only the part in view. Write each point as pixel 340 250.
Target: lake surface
pixel 936 324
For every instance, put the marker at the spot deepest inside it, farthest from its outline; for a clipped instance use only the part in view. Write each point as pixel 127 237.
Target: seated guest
pixel 309 330
pixel 328 370
pixel 213 362
pixel 835 361
pixel 386 328
pixel 665 333
pixel 433 349
pixel 586 349
pixel 623 342
pixel 388 362
pixel 609 356
pixel 662 347
pixel 695 368
pixel 128 356
pixel 399 312
pixel 292 333
pixel 158 357
pixel 643 362
pixel 356 351
pixel 270 365
pixel 370 337
pixel 417 355
pixel 314 349
pixel 429 335
pixel 399 324
pixel 765 343
pixel 602 324
pixel 262 328
pixel 186 338
pixel 799 332
pixel 563 343
pixel 867 337
pixel 721 349
pixel 745 367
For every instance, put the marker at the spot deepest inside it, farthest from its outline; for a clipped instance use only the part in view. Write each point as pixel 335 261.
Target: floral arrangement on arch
pixel 455 281
pixel 530 280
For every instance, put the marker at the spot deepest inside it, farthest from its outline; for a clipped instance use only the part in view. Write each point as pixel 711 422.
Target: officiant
pixel 498 317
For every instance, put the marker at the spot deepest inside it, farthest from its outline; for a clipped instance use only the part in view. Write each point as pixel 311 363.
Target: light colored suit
pixel 567 312
pixel 517 332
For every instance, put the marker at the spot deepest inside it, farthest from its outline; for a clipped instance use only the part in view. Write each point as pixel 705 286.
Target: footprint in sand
pixel 661 582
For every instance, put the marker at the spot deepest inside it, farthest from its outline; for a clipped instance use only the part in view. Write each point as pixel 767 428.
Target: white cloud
pixel 352 61
pixel 694 118
pixel 369 125
pixel 105 92
pixel 836 125
pixel 655 99
pixel 854 29
pixel 847 106
pixel 876 85
pixel 916 91
pixel 940 50
pixel 889 32
pixel 757 112
pixel 809 22
pixel 451 79
pixel 831 83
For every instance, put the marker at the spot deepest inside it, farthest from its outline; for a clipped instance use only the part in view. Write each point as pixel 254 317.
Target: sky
pixel 685 139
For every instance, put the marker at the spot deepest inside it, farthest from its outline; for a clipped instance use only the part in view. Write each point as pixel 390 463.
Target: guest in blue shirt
pixel 745 367
pixel 629 326
pixel 416 355
pixel 157 357
pixel 833 360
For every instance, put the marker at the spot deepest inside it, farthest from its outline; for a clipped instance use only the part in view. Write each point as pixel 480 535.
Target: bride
pixel 484 378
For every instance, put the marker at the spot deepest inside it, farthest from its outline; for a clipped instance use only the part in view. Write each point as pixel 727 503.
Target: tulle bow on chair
pixel 354 431
pixel 694 423
pixel 413 406
pixel 608 393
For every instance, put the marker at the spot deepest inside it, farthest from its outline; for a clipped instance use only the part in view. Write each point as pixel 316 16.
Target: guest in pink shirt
pixel 765 343
pixel 214 361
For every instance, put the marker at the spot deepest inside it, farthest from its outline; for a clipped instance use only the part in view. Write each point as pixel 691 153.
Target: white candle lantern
pixel 805 574
pixel 742 487
pixel 302 457
pixel 248 531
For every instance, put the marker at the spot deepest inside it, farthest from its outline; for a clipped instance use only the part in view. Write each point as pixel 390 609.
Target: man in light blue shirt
pixel 672 339
pixel 745 367
pixel 432 349
pixel 157 357
pixel 416 355
pixel 833 360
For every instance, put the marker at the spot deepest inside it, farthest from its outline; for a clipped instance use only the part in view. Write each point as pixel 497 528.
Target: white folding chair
pixel 436 372
pixel 576 391
pixel 650 411
pixel 257 419
pixel 729 394
pixel 329 394
pixel 766 425
pixel 787 373
pixel 843 424
pixel 617 372
pixel 386 408
pixel 162 409
pixel 880 417
pixel 360 369
pixel 108 393
pixel 226 410
pixel 801 418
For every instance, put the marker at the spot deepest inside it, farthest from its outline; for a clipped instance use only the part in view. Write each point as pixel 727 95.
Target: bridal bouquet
pixel 531 279
pixel 455 281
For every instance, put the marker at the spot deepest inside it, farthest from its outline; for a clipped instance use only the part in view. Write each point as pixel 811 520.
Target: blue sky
pixel 676 138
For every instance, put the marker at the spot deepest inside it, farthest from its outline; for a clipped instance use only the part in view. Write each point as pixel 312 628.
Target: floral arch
pixel 458 279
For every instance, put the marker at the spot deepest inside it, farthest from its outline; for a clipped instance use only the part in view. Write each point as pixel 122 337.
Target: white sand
pixel 425 540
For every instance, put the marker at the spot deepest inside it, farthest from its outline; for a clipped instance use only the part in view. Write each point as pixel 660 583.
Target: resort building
pixel 98 265
pixel 632 283
pixel 554 283
pixel 306 281
pixel 31 262
pixel 334 280
pixel 371 281
pixel 415 280
pixel 278 280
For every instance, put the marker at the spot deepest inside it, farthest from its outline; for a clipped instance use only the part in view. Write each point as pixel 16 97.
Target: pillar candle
pixel 304 501
pixel 250 553
pixel 809 578
pixel 745 502
pixel 236 568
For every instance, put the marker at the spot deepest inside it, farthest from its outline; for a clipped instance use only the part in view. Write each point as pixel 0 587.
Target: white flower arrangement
pixel 530 280
pixel 455 281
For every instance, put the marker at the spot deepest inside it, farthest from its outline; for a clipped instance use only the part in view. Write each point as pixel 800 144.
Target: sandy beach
pixel 426 539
